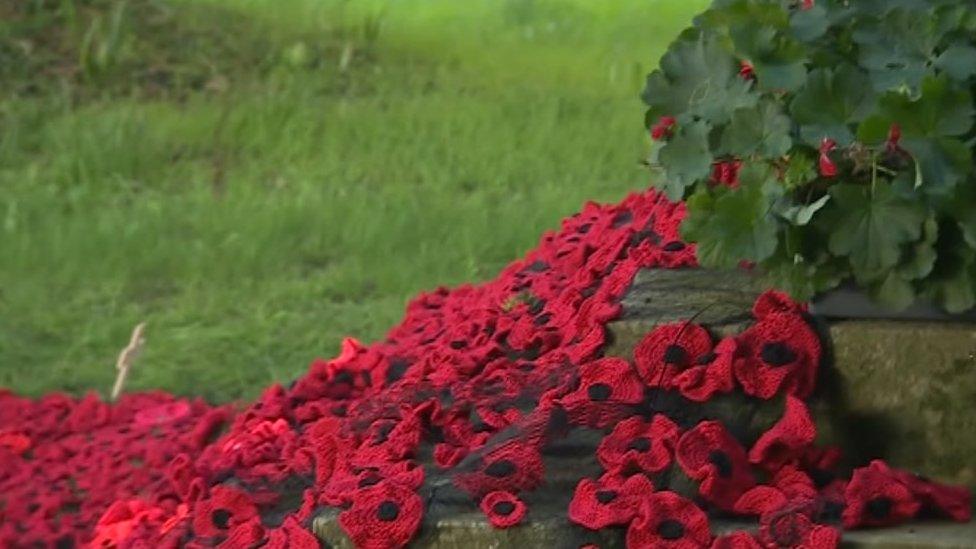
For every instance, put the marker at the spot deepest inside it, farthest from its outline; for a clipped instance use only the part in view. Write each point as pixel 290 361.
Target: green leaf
pixel 894 292
pixel 808 25
pixel 871 228
pixel 686 158
pixel 958 61
pixel 942 109
pixel 763 129
pixel 699 78
pixel 733 225
pixel 798 172
pixel 920 256
pixel 830 102
pixel 942 162
pixel 801 214
pixel 896 47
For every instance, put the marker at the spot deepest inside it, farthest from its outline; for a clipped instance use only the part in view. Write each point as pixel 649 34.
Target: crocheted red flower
pixel 636 445
pixel 794 529
pixel 774 301
pixel 668 350
pixel 954 502
pixel 611 500
pixel 781 352
pixel 787 440
pixel 711 374
pixel 225 508
pixel 513 467
pixel 876 497
pixel 382 516
pixel 668 521
pixel 291 535
pixel 604 385
pixel 736 540
pixel 709 454
pixel 503 509
pixel 789 488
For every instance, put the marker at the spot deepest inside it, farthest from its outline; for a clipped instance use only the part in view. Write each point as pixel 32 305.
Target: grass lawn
pixel 303 168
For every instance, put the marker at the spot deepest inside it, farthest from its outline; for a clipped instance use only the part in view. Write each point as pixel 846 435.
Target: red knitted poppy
pixel 788 440
pixel 668 350
pixel 876 497
pixel 503 509
pixel 610 500
pixel 708 453
pixel 636 445
pixel 668 521
pixel 779 353
pixel 382 516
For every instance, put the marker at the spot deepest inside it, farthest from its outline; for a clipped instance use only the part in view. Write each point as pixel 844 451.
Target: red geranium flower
pixel 711 375
pixel 512 467
pixel 225 508
pixel 781 352
pixel 663 128
pixel 605 384
pixel 668 521
pixel 786 441
pixel 668 350
pixel 503 509
pixel 807 4
pixel 611 500
pixel 746 70
pixel 726 173
pixel 708 453
pixel 382 516
pixel 827 166
pixel 876 497
pixel 636 445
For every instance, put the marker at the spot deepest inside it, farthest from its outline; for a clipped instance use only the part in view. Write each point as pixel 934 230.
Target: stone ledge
pixel 904 391
pixel 471 531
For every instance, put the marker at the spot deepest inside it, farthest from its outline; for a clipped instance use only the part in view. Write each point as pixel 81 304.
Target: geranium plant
pixel 824 141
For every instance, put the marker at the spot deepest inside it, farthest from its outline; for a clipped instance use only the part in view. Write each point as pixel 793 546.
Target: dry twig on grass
pixel 126 358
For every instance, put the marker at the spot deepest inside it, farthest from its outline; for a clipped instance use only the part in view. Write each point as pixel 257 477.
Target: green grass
pixel 289 199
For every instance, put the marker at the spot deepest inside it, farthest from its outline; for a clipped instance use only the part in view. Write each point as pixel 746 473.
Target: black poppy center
pixel 721 462
pixel 599 392
pixel 879 508
pixel 503 508
pixel 220 518
pixel 500 469
pixel 674 246
pixel 388 511
pixel 670 530
pixel 777 353
pixel 640 444
pixel 606 496
pixel 706 359
pixel 675 355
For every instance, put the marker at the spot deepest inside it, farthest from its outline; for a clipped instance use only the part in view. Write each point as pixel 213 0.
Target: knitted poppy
pixel 225 508
pixel 736 540
pixel 789 488
pixel 794 529
pixel 163 413
pixel 503 509
pixel 291 535
pixel 781 352
pixel 668 350
pixel 636 445
pixel 774 301
pixel 954 502
pixel 787 440
pixel 610 500
pixel 382 516
pixel 668 521
pixel 876 497
pixel 513 467
pixel 709 454
pixel 711 374
pixel 604 385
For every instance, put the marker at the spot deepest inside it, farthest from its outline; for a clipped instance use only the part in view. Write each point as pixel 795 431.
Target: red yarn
pixel 503 509
pixel 611 500
pixel 786 441
pixel 667 520
pixel 639 446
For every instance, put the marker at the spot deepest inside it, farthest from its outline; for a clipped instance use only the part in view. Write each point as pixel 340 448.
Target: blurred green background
pixel 258 178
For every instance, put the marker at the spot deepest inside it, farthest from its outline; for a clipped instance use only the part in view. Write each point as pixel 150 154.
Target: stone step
pixel 471 531
pixel 904 391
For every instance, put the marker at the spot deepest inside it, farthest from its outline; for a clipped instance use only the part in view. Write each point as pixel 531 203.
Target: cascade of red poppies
pixel 495 397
